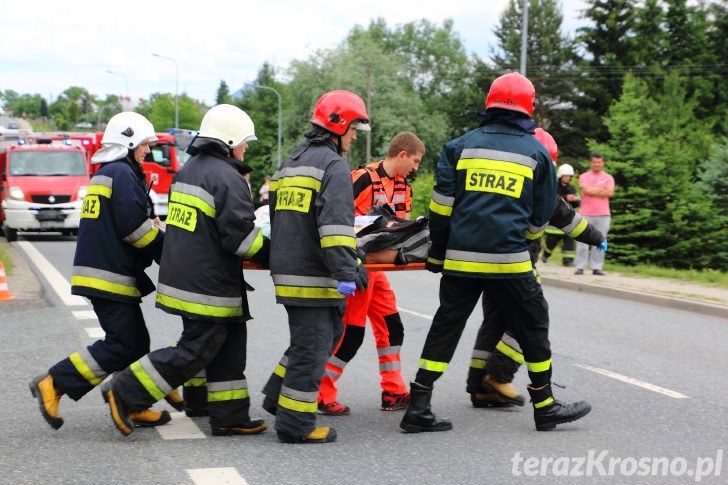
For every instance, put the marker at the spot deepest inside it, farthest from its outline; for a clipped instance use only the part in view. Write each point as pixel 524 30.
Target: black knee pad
pixel 395 328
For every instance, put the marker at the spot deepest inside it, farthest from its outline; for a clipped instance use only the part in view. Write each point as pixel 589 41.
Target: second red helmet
pixel 548 141
pixel 512 91
pixel 336 110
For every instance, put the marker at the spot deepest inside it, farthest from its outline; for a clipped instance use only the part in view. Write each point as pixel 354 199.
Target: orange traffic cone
pixel 4 293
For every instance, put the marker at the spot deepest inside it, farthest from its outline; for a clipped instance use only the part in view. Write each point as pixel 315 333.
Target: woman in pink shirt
pixel 597 186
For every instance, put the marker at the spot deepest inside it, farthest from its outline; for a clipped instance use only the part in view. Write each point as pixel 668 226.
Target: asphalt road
pixel 654 376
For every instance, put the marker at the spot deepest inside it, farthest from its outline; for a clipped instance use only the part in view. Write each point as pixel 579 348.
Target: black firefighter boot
pixel 419 415
pixel 548 412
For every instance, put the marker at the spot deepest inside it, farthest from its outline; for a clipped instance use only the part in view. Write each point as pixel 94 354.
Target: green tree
pixel 159 110
pixel 223 94
pixel 262 106
pixel 714 179
pixel 658 216
pixel 550 65
pixel 610 45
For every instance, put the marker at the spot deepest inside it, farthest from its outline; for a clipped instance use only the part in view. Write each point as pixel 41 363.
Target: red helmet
pixel 512 91
pixel 336 110
pixel 547 141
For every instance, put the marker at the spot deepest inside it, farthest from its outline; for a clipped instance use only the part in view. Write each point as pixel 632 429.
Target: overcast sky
pixel 47 46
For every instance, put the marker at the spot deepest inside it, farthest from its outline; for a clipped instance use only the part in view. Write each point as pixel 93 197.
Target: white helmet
pixel 125 131
pixel 565 169
pixel 229 124
pixel 128 129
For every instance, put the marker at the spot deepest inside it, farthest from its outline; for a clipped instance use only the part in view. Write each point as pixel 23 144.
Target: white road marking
pixel 54 277
pixel 634 382
pixel 84 314
pixel 95 332
pixel 421 315
pixel 215 476
pixel 181 428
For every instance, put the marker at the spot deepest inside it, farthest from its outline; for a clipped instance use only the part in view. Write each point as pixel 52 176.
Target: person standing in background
pixel 597 187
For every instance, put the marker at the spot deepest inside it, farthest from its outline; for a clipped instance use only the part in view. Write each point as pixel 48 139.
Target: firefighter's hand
pixel 346 288
pixel 603 246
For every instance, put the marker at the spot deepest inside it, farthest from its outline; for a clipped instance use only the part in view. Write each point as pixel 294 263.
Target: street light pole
pixel 127 83
pixel 280 116
pixel 176 89
pixel 524 38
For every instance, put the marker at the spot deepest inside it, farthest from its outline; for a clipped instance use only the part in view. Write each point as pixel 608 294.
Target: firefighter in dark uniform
pixel 553 234
pixel 496 355
pixel 210 230
pixel 117 240
pixel 313 261
pixel 494 184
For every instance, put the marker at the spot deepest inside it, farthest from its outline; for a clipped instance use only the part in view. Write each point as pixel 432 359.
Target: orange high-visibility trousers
pixel 378 303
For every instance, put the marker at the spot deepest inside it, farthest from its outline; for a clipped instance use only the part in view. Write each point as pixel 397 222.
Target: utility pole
pixel 369 110
pixel 524 38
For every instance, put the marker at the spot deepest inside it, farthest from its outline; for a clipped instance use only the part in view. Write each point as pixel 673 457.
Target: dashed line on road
pixel 84 314
pixel 52 275
pixel 215 476
pixel 95 332
pixel 634 382
pixel 417 314
pixel 182 428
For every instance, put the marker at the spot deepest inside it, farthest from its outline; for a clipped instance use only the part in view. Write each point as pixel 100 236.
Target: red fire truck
pixel 42 184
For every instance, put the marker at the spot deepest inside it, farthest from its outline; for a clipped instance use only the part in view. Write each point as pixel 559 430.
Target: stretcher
pixel 368 266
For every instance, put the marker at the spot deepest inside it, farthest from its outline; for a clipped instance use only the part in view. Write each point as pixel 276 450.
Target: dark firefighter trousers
pixel 495 352
pixel 126 340
pixel 294 385
pixel 522 309
pixel 218 348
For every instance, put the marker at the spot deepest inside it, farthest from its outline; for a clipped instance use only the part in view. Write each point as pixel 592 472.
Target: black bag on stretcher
pixel 393 240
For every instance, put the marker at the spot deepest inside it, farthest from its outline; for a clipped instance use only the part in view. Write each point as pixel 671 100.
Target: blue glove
pixel 346 288
pixel 603 246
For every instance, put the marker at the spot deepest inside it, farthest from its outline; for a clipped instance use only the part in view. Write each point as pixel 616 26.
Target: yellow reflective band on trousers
pixel 500 268
pixel 432 365
pixel 543 403
pixel 193 201
pixel 539 366
pixel 196 382
pixel 107 286
pixel 280 371
pixel 300 406
pixel 443 210
pixel 198 308
pixel 329 241
pixel 531 235
pixel 84 369
pixel 477 363
pixel 227 395
pixel 307 292
pixel 510 352
pixel 146 381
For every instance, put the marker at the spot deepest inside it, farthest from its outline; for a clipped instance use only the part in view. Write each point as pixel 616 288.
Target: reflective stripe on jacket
pixel 116 237
pixel 209 229
pixel 494 185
